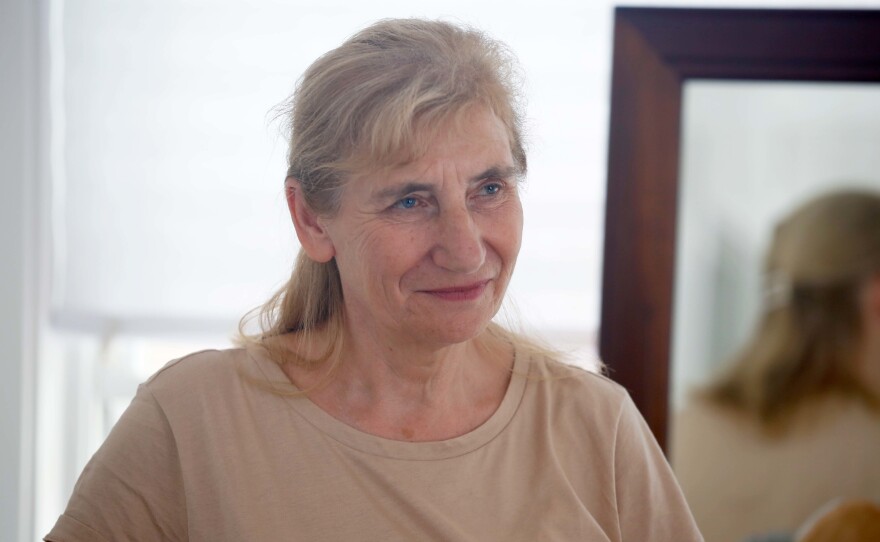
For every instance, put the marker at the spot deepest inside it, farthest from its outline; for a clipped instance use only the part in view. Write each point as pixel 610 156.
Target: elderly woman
pixel 380 402
pixel 794 421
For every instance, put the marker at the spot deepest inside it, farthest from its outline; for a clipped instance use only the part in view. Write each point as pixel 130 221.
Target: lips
pixel 459 293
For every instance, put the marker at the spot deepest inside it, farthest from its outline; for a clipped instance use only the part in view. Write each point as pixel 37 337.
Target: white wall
pixel 18 174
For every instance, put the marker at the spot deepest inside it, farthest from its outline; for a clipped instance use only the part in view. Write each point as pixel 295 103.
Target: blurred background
pixel 141 206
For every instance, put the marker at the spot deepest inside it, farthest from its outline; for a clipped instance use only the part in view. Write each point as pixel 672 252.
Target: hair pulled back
pixel 373 103
pixel 808 340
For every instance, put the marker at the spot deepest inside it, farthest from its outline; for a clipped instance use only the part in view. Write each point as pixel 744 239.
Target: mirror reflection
pixel 776 341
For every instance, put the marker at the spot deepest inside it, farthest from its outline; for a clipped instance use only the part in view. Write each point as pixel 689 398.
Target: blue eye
pixel 492 188
pixel 408 203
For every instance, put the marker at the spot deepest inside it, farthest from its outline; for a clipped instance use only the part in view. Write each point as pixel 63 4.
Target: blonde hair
pixel 375 102
pixel 808 340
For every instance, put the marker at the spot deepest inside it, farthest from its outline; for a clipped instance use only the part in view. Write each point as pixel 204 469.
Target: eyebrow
pixel 497 172
pixel 399 191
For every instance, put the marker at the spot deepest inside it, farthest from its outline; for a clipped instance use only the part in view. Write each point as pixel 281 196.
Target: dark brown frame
pixel 655 51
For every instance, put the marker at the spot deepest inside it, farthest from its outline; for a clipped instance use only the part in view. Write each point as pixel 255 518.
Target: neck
pixel 407 365
pixel 419 377
pixel 412 392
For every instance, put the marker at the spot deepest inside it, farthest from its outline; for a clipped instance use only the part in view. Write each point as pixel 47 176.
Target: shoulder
pixel 205 379
pixel 200 361
pixel 578 386
pixel 593 417
pixel 581 404
pixel 592 408
pixel 194 369
pixel 700 412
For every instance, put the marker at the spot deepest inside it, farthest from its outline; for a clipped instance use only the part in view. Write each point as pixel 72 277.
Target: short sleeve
pixel 132 488
pixel 650 504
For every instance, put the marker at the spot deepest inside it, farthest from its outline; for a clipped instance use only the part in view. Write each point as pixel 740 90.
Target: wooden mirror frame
pixel 655 51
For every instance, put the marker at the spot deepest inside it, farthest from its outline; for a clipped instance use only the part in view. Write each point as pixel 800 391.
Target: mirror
pixel 656 51
pixel 751 152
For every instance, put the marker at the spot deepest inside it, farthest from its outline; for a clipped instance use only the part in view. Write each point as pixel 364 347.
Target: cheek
pixel 352 245
pixel 382 253
pixel 519 225
pixel 511 231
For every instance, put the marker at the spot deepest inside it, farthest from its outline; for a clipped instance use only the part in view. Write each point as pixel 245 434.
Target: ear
pixel 309 228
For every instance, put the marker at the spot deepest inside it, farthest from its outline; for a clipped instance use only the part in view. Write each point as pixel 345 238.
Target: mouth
pixel 464 292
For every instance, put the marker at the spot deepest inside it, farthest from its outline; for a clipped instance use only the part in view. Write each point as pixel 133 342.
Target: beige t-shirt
pixel 740 482
pixel 205 453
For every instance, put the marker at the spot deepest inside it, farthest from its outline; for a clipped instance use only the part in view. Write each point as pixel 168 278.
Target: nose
pixel 459 246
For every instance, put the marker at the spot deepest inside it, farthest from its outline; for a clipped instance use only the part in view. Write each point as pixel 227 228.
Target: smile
pixel 459 293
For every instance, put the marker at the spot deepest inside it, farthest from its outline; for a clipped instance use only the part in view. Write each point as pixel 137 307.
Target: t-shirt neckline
pixel 354 438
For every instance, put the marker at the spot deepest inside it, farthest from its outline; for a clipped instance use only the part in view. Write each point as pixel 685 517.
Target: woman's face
pixel 426 251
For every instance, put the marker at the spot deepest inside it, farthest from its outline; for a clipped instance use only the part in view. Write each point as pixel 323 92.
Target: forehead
pixel 476 128
pixel 474 140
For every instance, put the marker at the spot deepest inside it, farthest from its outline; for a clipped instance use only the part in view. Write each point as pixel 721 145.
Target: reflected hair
pixel 808 341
